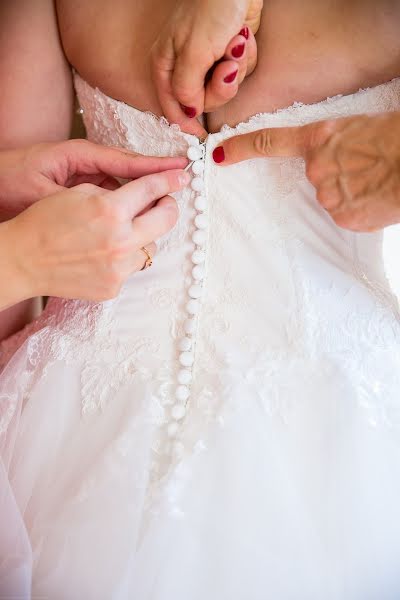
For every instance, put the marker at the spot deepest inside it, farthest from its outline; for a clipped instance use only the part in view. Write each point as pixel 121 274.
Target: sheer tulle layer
pixel 303 504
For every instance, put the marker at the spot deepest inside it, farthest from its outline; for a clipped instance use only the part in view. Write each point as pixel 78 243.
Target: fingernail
pixel 245 32
pixel 184 179
pixel 237 51
pixel 189 111
pixel 218 154
pixel 231 77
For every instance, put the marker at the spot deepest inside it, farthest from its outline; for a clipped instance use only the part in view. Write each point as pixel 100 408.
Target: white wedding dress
pixel 231 433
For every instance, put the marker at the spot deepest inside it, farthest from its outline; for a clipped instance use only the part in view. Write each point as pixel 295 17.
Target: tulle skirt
pixel 294 504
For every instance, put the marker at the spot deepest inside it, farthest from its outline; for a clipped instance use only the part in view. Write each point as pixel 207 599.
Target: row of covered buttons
pixel 196 154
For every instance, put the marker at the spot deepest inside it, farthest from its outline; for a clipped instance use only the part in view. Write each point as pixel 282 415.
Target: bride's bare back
pixel 308 50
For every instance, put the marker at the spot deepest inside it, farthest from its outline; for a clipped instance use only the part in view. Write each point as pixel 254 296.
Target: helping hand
pixel 197 36
pixel 29 174
pixel 352 162
pixel 84 242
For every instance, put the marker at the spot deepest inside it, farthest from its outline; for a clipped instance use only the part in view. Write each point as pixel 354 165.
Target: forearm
pixel 35 105
pixel 14 286
pixel 35 79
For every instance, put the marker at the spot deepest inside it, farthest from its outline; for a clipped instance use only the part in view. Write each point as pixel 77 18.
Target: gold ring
pixel 149 258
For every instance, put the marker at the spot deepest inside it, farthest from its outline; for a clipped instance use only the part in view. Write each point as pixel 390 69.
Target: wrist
pixel 17 283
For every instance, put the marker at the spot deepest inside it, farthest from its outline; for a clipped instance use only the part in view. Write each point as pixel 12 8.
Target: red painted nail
pixel 245 32
pixel 219 154
pixel 237 51
pixel 231 77
pixel 189 111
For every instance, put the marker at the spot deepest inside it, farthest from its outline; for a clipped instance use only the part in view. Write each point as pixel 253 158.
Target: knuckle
pixel 79 144
pixel 116 250
pixel 329 198
pixel 76 147
pixel 326 128
pixel 263 142
pixel 323 197
pixel 104 209
pixel 321 132
pixel 313 170
pixel 89 189
pixel 171 215
pixel 151 186
pixel 183 93
pixel 347 220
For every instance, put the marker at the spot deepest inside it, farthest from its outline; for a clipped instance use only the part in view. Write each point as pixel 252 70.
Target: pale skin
pixel 86 241
pixel 307 50
pixel 81 242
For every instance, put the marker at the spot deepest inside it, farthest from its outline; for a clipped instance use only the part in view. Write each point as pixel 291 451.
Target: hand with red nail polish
pixel 219 155
pixel 351 161
pixel 202 55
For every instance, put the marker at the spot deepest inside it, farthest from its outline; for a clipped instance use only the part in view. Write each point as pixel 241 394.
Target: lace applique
pixel 76 332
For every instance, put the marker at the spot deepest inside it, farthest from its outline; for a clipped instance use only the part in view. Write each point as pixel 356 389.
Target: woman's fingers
pixel 264 143
pixel 239 61
pixel 164 61
pixel 222 86
pixel 77 158
pixel 197 36
pixel 237 50
pixel 99 179
pixel 251 53
pixel 156 222
pixel 132 198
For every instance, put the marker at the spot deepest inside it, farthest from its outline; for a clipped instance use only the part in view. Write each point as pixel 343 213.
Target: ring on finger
pixel 149 258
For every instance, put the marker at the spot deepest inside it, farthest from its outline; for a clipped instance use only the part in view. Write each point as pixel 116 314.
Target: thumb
pixel 264 143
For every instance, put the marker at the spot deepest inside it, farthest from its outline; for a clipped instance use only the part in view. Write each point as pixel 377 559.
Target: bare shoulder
pixel 36 98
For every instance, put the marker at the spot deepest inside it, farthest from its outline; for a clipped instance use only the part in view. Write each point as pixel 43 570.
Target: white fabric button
pixel 178 449
pixel 201 221
pixel 194 153
pixel 189 326
pixel 185 344
pixel 198 167
pixel 200 203
pixel 197 184
pixel 199 237
pixel 194 292
pixel 184 377
pixel 198 272
pixel 172 429
pixel 186 359
pixel 178 412
pixel 182 393
pixel 193 307
pixel 198 257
